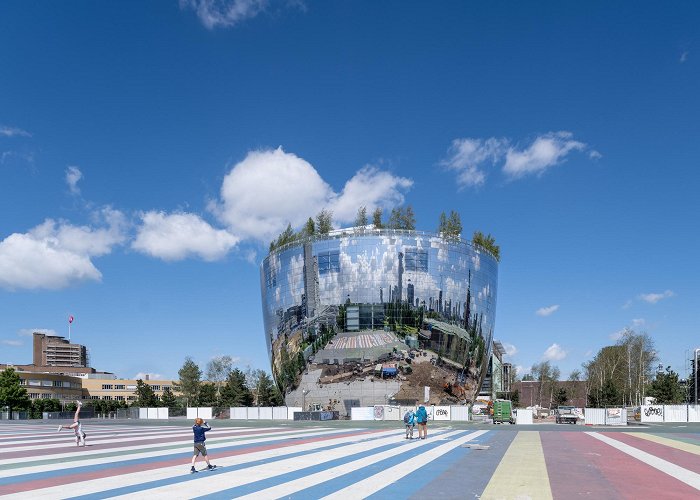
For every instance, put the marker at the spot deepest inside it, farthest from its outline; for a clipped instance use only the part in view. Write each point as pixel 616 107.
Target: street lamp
pixel 304 392
pixel 695 371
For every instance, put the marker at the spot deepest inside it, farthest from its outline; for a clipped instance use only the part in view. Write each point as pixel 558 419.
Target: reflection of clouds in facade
pixel 367 269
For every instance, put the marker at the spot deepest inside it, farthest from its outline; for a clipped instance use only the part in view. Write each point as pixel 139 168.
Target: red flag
pixel 70 319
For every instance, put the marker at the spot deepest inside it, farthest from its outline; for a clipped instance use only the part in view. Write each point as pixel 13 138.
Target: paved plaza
pixel 344 460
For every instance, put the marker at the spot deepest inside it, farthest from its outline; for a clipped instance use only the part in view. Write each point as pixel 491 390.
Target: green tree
pixel 487 243
pixel 442 225
pixel 235 392
pixel 561 396
pixel 361 219
pixel 218 369
pixel 666 388
pixel 207 395
pixel 515 398
pixel 310 227
pixel 190 381
pixel 266 393
pixel 12 395
pixel 324 222
pixel 145 397
pixel 168 399
pixel 454 225
pixel 377 218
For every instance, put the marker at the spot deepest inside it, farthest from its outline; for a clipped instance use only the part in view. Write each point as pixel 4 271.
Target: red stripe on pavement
pixel 128 469
pixel 137 440
pixel 569 475
pixel 681 458
pixel 627 476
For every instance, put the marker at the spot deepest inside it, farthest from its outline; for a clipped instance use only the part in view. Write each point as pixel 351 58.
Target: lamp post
pixel 695 371
pixel 304 392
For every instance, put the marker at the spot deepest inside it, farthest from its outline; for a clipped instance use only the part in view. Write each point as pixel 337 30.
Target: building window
pixel 33 395
pixel 22 381
pixel 329 262
pixel 94 397
pixel 106 387
pixel 131 398
pixel 119 387
pixel 155 387
pixel 270 276
pixel 119 398
pixel 35 382
pixel 58 383
pixel 166 387
pixel 46 396
pixel 106 398
pixel 130 387
pixel 416 260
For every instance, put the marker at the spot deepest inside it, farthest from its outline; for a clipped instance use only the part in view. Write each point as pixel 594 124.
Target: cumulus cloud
pixel 511 350
pixel 13 343
pixel 554 353
pixel 13 132
pixel 56 254
pixel 177 236
pixel 469 156
pixel 73 175
pixel 653 298
pixel 547 311
pixel 224 13
pixel 639 323
pixel 684 56
pixel 545 152
pixel 270 188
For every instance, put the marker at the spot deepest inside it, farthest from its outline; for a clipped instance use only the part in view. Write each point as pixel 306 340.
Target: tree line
pixel 225 386
pixel 401 218
pixel 623 374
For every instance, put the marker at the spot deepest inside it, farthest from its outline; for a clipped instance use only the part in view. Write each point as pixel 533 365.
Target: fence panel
pixel 652 413
pixel 459 413
pixel 143 412
pixel 239 413
pixel 291 410
pixel 279 413
pixel 441 413
pixel 163 413
pixel 265 413
pixel 253 413
pixel 191 413
pixel 523 416
pixel 675 413
pixel 152 413
pixel 593 416
pixel 694 413
pixel 362 413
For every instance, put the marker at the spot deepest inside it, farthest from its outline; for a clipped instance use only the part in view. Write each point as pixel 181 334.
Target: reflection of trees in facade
pixel 387 279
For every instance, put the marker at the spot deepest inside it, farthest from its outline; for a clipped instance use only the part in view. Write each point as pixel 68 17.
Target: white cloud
pixel 617 335
pixel 269 189
pixel 177 236
pixel 13 343
pixel 56 254
pixel 653 298
pixel 467 156
pixel 28 332
pixel 547 311
pixel 639 323
pixel 151 376
pixel 554 353
pixel 511 350
pixel 546 151
pixel 73 175
pixel 224 13
pixel 13 132
pixel 684 56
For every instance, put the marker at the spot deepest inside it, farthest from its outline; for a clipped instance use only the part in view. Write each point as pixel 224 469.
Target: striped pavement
pixel 338 462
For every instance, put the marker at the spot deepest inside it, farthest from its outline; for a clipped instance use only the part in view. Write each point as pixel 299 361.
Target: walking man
pixel 199 429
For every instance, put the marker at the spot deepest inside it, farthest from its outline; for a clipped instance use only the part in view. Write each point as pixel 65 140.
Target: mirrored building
pixel 380 305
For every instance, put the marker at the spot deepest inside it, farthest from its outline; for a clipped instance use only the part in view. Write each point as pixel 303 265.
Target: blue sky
pixel 149 152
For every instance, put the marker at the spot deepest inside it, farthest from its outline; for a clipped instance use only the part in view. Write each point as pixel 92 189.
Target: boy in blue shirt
pixel 199 428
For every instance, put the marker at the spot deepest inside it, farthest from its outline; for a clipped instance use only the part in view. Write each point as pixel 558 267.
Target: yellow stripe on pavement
pixel 679 445
pixel 522 473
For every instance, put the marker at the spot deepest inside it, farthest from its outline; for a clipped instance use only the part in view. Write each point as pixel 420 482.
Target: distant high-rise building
pixel 410 291
pixel 53 350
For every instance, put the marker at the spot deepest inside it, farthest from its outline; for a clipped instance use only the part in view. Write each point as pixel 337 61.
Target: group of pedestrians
pixel 419 417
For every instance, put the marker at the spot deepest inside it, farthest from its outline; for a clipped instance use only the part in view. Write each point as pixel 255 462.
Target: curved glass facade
pixel 417 290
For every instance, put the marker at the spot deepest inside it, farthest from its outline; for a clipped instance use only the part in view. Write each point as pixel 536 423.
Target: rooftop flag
pixel 70 319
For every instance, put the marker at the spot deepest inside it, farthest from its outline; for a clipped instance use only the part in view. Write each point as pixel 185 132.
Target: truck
pixel 566 415
pixel 502 411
